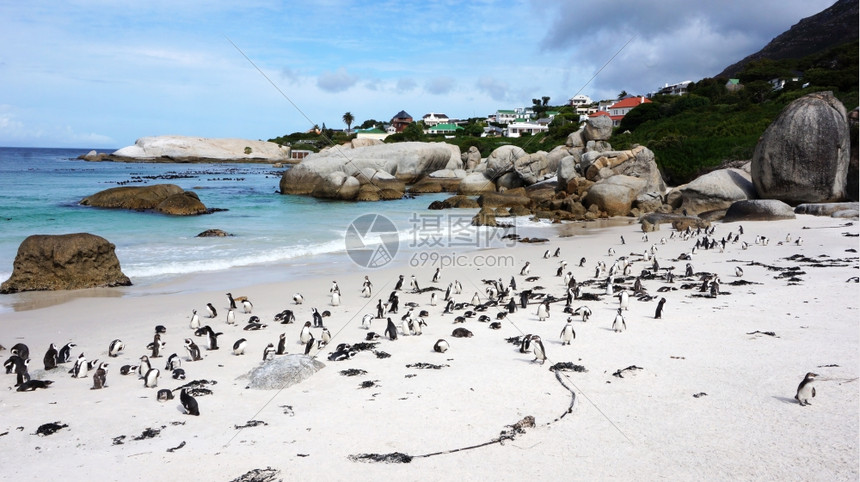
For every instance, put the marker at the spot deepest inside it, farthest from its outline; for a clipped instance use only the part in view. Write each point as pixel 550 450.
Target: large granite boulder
pixel 716 190
pixel 282 372
pixel 567 169
pixel 852 186
pixel 614 195
pixel 337 185
pixel 598 128
pixel 641 164
pixel 406 161
pixel 475 183
pixel 758 210
pixel 199 149
pixel 828 209
pixel 471 158
pixel 64 262
pixel 502 160
pixel 164 198
pixel 574 139
pixel 532 168
pixel 803 155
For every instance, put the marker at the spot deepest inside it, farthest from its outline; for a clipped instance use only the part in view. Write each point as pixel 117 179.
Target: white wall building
pixel 516 129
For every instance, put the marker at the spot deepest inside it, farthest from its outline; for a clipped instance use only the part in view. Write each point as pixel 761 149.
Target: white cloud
pixel 337 81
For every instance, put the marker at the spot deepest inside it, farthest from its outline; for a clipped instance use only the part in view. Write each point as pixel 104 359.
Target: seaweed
pixel 148 433
pixel 259 475
pixel 174 449
pixel 424 366
pixel 619 373
pixel 392 458
pixel 351 372
pixel 567 367
pixel 250 423
pixel 382 354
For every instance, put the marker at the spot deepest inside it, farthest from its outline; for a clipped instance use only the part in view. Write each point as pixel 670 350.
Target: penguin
pixel 543 311
pixel 212 337
pixel 567 333
pixel 317 317
pixel 114 348
pixel 413 284
pixel 609 288
pixel 22 374
pixel 212 311
pixel 239 346
pixel 476 300
pixel 247 306
pixel 127 369
pixel 231 317
pixel 173 362
pixel 689 270
pixel 458 288
pixel 624 300
pixel 50 358
pixel 526 268
pixel 164 395
pixel 254 326
pixel 232 301
pixel 434 298
pixel 269 351
pixel 100 377
pixel 282 345
pixel 399 285
pixel 658 315
pixel 546 254
pixel 80 369
pixel 380 309
pixel 144 367
pixel 298 298
pixel 305 334
pixel 31 385
pixel 335 298
pixel 739 272
pixel 309 345
pixel 21 350
pixel 622 240
pixel 511 306
pixel 195 320
pixel 437 275
pixel 193 350
pixel 539 351
pixel 805 391
pixel 325 338
pixel 178 374
pixel 189 403
pixel 287 317
pixel 611 252
pixel 367 291
pixel 619 325
pixel 513 284
pixel 65 353
pixel 150 380
pixel 391 330
pixel 393 302
pixel 525 344
pixel 156 346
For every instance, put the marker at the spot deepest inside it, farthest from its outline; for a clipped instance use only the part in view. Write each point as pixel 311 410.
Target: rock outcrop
pixel 846 209
pixel 614 195
pixel 199 149
pixel 64 262
pixel 716 190
pixel 282 372
pixel 163 198
pixel 758 210
pixel 803 155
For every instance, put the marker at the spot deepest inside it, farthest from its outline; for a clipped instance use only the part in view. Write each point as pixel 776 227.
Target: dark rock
pixel 213 233
pixel 132 197
pixel 64 262
pixel 826 209
pixel 758 210
pixel 182 204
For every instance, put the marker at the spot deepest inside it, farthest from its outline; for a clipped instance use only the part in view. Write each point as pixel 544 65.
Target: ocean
pixel 275 237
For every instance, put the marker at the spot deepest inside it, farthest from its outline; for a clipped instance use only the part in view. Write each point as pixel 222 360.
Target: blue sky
pixel 103 73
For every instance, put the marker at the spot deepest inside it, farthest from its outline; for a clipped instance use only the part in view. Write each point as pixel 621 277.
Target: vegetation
pixel 348 119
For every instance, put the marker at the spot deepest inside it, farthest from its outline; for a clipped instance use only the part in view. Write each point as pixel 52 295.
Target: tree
pixel 622 94
pixel 545 100
pixel 347 119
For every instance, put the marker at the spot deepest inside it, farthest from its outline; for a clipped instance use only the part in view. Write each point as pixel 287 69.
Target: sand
pixel 710 400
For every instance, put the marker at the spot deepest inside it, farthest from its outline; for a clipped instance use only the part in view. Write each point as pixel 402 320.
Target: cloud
pixel 337 81
pixel 406 84
pixel 496 89
pixel 439 85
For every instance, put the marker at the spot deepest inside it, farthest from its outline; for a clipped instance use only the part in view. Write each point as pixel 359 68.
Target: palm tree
pixel 347 119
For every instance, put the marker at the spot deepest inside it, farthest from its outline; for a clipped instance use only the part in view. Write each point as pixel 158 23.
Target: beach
pixel 709 393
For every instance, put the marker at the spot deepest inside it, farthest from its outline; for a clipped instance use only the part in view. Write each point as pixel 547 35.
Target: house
pixel 675 89
pixel 504 116
pixel 433 119
pixel 492 131
pixel 520 127
pixel 778 83
pixel 400 121
pixel 618 110
pixel 372 133
pixel 443 129
pixel 580 100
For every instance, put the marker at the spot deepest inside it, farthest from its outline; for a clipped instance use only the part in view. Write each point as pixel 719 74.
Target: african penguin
pixel 189 403
pixel 805 391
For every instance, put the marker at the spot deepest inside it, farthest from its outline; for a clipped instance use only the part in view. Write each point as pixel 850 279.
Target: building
pixel 372 133
pixel 580 100
pixel 433 119
pixel 520 127
pixel 504 116
pixel 400 121
pixel 618 110
pixel 675 89
pixel 449 129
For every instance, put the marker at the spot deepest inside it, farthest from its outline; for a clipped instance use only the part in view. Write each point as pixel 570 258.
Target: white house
pixel 372 133
pixel 580 100
pixel 434 118
pixel 506 116
pixel 675 89
pixel 518 128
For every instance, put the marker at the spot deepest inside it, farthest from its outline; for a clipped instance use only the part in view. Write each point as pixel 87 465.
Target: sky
pixel 102 73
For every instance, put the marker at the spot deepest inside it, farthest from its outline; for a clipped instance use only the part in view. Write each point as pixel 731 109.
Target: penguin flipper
pixel 813 392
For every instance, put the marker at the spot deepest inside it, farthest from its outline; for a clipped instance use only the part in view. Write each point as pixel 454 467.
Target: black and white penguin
pixel 193 350
pixel 805 391
pixel 391 330
pixel 393 303
pixel 659 313
pixel 539 351
pixel 127 369
pixel 309 345
pixel 212 311
pixel 114 348
pixel 511 306
pixel 399 285
pixel 164 395
pixel 65 353
pixel 298 298
pixel 282 345
pixel 437 275
pixel 247 306
pixel 543 311
pixel 239 346
pixel 189 403
pixel 31 385
pixel 739 272
pixel 557 253
pixel 325 338
pixel 231 317
pixel 622 240
pixel 567 333
pixel 156 346
pixel 546 254
pixel 269 351
pixel 22 374
pixel 211 337
pixel 610 290
pixel 476 300
pixel 619 325
pixel 144 367
pixel 254 325
pixel 434 298
pixel 81 368
pixel 150 380
pixel 458 288
pixel 20 350
pixel 317 317
pixel 286 317
pixel 178 374
pixel 173 362
pixel 231 300
pixel 100 377
pixel 195 320
pixel 367 289
pixel 610 252
pixel 335 298
pixel 305 334
pixel 526 268
pixel 50 358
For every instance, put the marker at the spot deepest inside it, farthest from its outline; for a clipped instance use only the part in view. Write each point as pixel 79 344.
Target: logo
pixel 372 241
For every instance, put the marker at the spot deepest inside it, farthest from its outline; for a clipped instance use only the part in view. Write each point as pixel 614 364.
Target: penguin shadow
pixel 791 401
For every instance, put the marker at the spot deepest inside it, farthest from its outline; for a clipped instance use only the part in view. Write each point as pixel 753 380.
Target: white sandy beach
pixel 745 423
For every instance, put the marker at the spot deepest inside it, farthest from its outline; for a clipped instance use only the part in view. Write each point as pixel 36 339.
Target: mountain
pixel 834 26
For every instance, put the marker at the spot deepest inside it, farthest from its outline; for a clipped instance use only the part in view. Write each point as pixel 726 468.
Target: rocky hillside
pixel 829 28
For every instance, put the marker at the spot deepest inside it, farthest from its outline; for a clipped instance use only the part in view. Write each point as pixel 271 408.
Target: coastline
pixel 744 423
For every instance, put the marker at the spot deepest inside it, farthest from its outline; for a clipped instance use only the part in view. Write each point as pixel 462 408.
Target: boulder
pixel 471 158
pixel 758 210
pixel 532 168
pixel 64 262
pixel 461 202
pixel 485 217
pixel 803 155
pixel 566 171
pixel 647 202
pixel 213 233
pixel 182 204
pixel 852 186
pixel 643 166
pixel 337 185
pixel 282 372
pixel 475 183
pixel 826 209
pixel 502 160
pixel 615 195
pixel 716 190
pixel 598 128
pixel 455 161
pixel 364 142
pixel 503 200
pixel 611 159
pixel 509 180
pixel 132 197
pixel 200 149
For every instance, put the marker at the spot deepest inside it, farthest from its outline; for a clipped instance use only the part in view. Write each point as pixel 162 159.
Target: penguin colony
pixel 620 295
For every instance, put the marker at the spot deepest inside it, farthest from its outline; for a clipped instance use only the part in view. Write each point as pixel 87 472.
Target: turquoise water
pixel 40 190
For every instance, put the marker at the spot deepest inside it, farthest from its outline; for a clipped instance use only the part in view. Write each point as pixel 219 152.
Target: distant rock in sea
pixel 196 149
pixel 162 198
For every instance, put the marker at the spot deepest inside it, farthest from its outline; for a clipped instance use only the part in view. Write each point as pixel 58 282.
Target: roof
pixel 435 114
pixel 600 112
pixel 630 102
pixel 402 115
pixel 372 130
pixel 506 111
pixel 446 127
